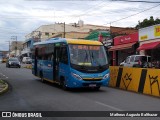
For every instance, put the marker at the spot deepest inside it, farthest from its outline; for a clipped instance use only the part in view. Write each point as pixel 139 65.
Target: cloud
pixel 20 17
pixel 4 46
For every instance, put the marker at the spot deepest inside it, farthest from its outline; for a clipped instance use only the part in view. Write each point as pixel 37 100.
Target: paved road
pixel 28 93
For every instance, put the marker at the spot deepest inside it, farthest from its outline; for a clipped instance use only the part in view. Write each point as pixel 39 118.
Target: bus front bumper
pixel 82 83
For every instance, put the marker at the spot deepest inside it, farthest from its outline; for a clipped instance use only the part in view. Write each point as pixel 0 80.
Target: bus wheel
pixel 63 84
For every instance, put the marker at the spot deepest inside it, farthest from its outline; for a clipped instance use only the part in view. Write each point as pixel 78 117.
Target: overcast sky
pixel 20 17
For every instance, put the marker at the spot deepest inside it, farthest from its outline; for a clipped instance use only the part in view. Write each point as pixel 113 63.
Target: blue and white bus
pixel 72 63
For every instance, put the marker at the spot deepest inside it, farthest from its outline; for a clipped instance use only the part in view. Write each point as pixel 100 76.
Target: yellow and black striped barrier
pixel 146 81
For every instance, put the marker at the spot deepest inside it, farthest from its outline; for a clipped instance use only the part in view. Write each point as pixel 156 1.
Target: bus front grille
pixel 92 79
pixel 88 84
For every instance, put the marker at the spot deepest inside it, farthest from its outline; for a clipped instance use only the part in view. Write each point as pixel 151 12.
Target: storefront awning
pixel 121 47
pixel 148 46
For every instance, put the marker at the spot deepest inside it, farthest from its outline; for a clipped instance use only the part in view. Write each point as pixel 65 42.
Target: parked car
pixel 137 61
pixel 13 62
pixel 27 60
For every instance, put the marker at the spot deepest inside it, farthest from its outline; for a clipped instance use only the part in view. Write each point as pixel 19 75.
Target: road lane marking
pixel 112 107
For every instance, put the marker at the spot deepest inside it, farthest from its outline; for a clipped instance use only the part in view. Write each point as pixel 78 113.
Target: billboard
pixel 149 33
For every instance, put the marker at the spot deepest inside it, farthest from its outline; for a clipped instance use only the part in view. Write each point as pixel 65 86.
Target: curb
pixel 5 89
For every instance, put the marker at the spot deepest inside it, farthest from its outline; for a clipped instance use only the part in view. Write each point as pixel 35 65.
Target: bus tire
pixel 63 84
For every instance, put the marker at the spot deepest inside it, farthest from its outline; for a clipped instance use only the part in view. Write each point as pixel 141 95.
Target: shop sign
pixel 157 31
pixel 126 39
pixel 144 37
pixel 149 33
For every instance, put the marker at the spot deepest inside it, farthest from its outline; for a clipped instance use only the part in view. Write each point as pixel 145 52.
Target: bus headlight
pixel 76 76
pixel 106 76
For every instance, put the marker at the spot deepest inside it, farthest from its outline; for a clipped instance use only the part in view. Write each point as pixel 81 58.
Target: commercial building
pixel 73 30
pixel 123 46
pixel 16 48
pixel 149 39
pixel 27 46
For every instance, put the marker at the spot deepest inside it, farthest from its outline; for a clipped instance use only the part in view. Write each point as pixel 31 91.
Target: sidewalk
pixel 29 66
pixel 3 87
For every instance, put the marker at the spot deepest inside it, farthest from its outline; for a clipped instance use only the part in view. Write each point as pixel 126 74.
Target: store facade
pixel 149 39
pixel 123 46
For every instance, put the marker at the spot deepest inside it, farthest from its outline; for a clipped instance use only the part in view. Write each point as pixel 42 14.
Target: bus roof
pixel 51 40
pixel 84 42
pixel 69 41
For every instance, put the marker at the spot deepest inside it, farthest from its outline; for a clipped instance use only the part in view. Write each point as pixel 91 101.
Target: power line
pixel 95 6
pixel 134 14
pixel 92 8
pixel 84 14
pixel 140 1
pixel 37 17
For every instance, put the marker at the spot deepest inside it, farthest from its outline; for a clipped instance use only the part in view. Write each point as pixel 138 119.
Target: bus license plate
pixel 92 85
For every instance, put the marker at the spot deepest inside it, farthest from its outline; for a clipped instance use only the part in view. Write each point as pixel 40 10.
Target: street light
pixel 9 47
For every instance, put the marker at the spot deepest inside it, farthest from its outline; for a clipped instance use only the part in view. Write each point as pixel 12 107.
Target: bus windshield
pixel 88 55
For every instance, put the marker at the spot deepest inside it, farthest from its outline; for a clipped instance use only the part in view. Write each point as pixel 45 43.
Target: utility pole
pixel 110 29
pixel 64 30
pixel 9 47
pixel 39 35
pixel 15 38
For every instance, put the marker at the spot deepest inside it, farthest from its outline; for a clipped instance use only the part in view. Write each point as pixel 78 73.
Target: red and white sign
pixel 126 39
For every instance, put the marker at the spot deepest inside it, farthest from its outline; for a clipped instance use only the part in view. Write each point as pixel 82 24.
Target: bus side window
pixel 64 55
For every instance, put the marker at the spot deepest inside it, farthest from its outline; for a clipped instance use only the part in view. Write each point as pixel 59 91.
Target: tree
pixel 148 22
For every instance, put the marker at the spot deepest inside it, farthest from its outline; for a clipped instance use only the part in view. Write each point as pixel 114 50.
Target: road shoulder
pixel 3 87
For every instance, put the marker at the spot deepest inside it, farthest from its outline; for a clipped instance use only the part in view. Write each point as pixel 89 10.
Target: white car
pixel 137 61
pixel 26 60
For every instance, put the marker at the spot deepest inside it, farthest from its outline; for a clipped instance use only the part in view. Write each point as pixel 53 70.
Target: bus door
pixel 56 63
pixel 35 61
